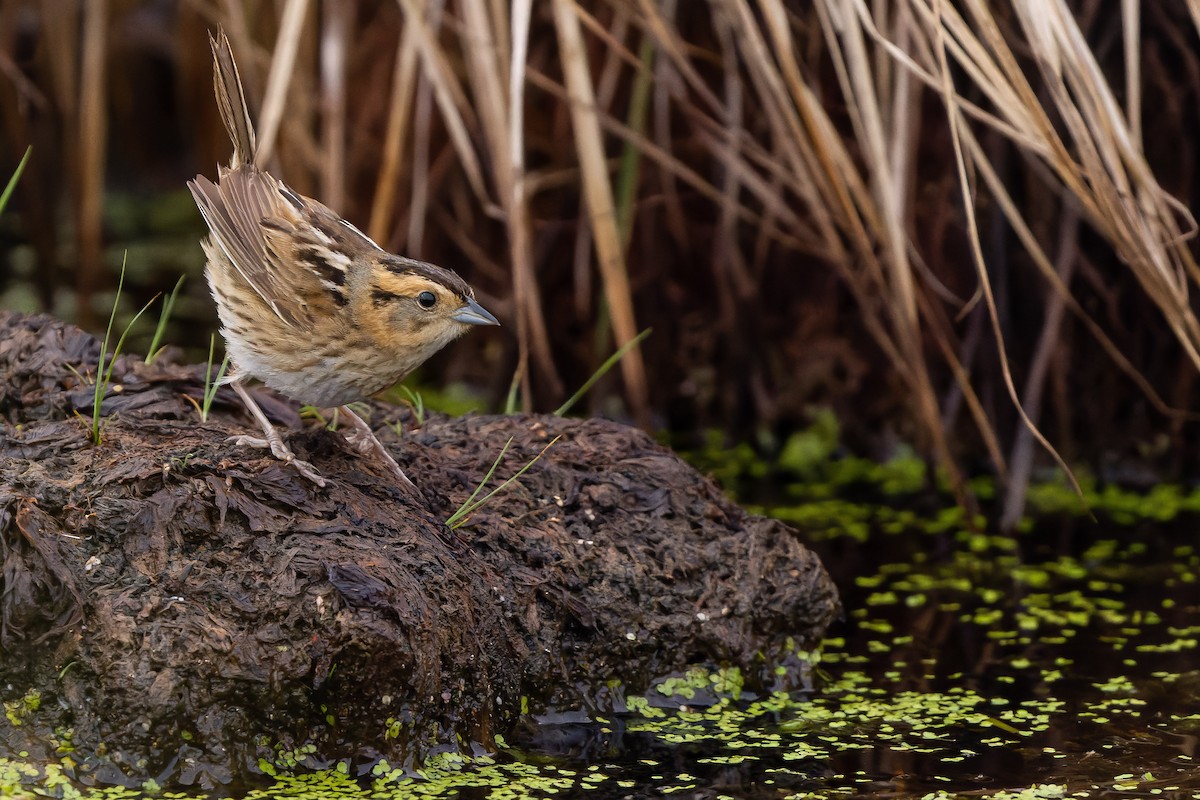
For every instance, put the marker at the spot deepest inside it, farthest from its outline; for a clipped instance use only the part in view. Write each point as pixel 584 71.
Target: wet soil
pixel 176 607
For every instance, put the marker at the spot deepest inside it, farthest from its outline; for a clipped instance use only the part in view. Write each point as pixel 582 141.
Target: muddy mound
pixel 177 607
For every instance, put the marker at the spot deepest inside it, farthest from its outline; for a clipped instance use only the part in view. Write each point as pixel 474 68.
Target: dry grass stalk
pixel 1100 164
pixel 93 136
pixel 456 112
pixel 495 69
pixel 877 97
pixel 598 192
pixel 335 30
pixel 956 124
pixel 391 169
pixel 732 120
pixel 283 66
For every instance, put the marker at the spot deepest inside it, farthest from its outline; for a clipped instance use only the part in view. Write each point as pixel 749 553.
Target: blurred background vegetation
pixel 939 219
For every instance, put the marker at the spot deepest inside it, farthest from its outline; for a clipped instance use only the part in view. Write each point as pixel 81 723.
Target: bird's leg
pixel 272 440
pixel 363 439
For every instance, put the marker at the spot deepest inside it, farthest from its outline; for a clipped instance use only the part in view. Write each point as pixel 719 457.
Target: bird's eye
pixel 427 299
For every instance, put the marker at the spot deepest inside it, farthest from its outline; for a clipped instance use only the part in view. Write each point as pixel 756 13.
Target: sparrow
pixel 308 303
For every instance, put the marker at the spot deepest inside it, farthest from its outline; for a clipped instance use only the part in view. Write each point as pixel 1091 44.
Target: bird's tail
pixel 232 100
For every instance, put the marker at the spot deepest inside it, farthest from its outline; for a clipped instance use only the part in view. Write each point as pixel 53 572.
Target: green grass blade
pixel 217 383
pixel 121 342
pixel 208 381
pixel 631 154
pixel 105 367
pixel 168 307
pixel 599 373
pixel 510 402
pixel 101 384
pixel 417 403
pixel 468 508
pixel 16 176
pixel 459 515
pixel 210 385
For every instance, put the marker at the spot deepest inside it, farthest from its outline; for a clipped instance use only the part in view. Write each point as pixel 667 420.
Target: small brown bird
pixel 308 303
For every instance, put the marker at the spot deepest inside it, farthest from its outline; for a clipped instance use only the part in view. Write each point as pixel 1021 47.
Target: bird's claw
pixel 363 439
pixel 280 451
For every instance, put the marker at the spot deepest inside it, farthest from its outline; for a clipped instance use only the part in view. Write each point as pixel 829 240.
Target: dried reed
pixel 606 161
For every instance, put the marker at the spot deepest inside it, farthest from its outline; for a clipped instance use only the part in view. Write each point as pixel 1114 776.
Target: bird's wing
pixel 288 249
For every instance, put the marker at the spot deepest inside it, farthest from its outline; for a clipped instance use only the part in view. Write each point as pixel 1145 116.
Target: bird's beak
pixel 474 314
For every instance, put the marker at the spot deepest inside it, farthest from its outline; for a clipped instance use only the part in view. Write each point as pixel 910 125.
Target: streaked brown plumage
pixel 309 304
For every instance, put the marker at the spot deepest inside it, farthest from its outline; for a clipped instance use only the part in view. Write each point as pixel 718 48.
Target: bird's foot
pixel 363 439
pixel 283 453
